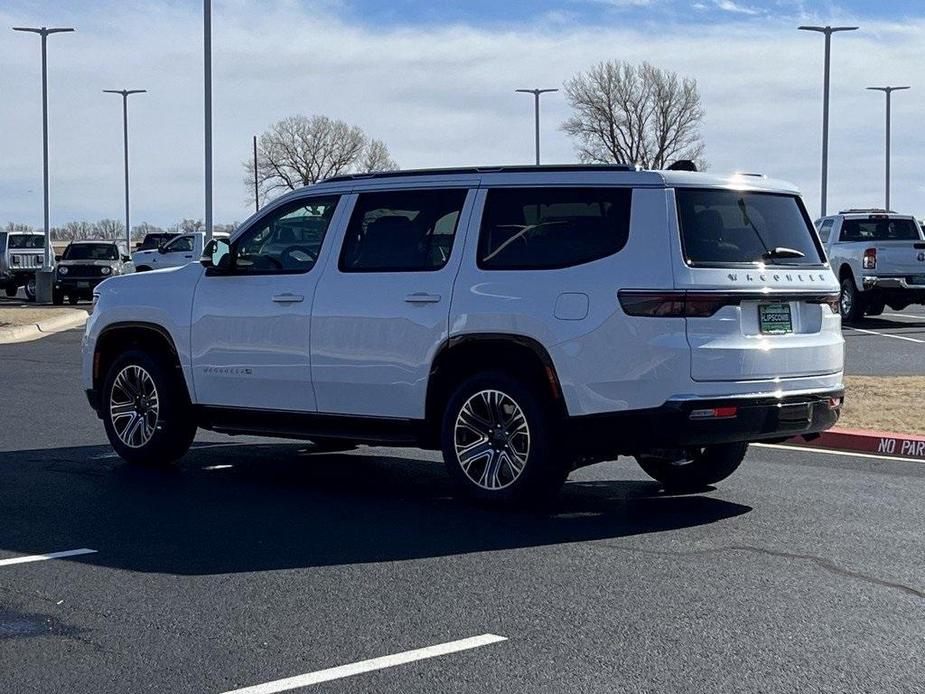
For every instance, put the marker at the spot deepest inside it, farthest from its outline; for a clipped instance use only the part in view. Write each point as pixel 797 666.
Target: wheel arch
pixel 118 337
pixel 464 355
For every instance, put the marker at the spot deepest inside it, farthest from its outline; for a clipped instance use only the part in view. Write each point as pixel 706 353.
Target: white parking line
pixel 45 557
pixel 362 666
pixel 895 337
pixel 848 454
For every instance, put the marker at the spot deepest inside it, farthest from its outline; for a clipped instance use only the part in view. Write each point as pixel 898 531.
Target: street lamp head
pixel 536 91
pixel 125 92
pixel 887 90
pixel 44 31
pixel 826 29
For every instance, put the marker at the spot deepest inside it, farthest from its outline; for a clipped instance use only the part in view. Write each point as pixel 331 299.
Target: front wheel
pixel 146 410
pixel 851 302
pixel 10 290
pixel 498 441
pixel 694 468
pixel 30 289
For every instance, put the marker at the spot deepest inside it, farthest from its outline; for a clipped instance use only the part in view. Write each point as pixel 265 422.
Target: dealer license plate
pixel 83 285
pixel 774 319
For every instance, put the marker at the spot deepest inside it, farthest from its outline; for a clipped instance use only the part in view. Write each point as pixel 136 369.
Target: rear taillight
pixel 715 413
pixel 686 304
pixel 870 259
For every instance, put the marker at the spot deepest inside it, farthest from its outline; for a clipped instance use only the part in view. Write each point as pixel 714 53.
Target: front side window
pixel 879 229
pixel 287 240
pixel 402 230
pixel 184 244
pixel 731 227
pixel 546 228
pixel 27 241
pixel 91 251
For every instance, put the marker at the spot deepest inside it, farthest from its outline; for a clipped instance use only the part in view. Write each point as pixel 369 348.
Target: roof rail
pixel 480 170
pixel 867 210
pixel 749 173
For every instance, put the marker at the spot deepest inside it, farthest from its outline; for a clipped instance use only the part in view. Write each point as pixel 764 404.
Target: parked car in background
pixel 83 265
pixel 879 258
pixel 22 254
pixel 525 320
pixel 156 239
pixel 180 250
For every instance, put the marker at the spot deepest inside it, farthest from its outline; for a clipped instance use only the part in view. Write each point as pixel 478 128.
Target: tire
pixel 169 431
pixel 29 288
pixel 851 303
pixel 874 308
pixel 57 298
pixel 10 290
pixel 72 300
pixel 695 468
pixel 516 464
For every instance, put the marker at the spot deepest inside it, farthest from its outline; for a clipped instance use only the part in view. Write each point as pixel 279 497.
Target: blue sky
pixel 436 81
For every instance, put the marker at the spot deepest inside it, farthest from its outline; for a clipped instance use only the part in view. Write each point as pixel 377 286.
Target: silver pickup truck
pixel 879 258
pixel 22 253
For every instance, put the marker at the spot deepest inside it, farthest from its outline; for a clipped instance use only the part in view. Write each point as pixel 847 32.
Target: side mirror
pixel 126 258
pixel 216 256
pixel 162 248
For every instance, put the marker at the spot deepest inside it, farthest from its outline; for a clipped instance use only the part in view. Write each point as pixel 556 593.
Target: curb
pixel 36 331
pixel 866 441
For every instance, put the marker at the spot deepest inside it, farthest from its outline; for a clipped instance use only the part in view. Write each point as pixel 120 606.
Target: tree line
pixel 114 230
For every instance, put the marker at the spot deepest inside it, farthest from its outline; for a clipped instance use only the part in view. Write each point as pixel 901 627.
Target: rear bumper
pixel 894 290
pixel 680 424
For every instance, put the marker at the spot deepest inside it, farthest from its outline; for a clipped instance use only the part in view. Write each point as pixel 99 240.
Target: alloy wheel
pixel 134 406
pixel 492 439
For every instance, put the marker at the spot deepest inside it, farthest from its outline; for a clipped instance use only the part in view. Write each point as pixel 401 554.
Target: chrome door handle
pixel 422 298
pixel 288 298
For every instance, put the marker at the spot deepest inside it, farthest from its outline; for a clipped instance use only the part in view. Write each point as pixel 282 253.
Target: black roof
pixel 520 168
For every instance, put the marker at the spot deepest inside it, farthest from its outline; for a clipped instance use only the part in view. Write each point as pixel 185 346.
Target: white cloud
pixel 438 96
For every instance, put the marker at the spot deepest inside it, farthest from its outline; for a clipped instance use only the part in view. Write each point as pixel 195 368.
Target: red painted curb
pixel 864 441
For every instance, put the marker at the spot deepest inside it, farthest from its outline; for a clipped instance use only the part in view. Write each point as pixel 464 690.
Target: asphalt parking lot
pixel 892 344
pixel 255 561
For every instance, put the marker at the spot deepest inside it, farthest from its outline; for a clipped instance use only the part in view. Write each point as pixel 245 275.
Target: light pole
pixel 889 92
pixel 256 185
pixel 828 31
pixel 536 101
pixel 207 83
pixel 125 94
pixel 43 279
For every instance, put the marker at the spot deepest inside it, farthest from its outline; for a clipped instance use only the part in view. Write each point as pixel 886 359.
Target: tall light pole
pixel 43 279
pixel 889 92
pixel 207 79
pixel 256 185
pixel 536 101
pixel 828 31
pixel 125 94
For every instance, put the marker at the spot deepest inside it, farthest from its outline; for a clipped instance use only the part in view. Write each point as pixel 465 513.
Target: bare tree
pixel 110 229
pixel 301 150
pixel 634 114
pixel 187 226
pixel 139 231
pixel 74 231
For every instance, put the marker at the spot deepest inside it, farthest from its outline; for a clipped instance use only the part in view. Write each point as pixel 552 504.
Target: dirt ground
pixel 11 316
pixel 886 403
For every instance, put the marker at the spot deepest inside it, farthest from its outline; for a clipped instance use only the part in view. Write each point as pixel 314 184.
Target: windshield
pixel 27 241
pixel 91 251
pixel 730 227
pixel 883 229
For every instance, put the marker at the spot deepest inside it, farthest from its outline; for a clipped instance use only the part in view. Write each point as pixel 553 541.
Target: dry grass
pixel 886 403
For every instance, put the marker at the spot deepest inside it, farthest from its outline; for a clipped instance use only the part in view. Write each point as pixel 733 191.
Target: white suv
pixel 525 320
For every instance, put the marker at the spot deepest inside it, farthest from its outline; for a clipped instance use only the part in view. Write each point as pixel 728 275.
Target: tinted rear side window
pixel 730 227
pixel 545 228
pixel 402 231
pixel 879 230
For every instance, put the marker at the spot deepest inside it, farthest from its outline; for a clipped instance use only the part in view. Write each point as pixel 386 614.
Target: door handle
pixel 422 298
pixel 288 298
pixel 187 256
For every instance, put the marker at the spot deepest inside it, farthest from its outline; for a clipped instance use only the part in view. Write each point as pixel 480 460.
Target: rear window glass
pixel 879 230
pixel 545 228
pixel 27 241
pixel 723 227
pixel 91 251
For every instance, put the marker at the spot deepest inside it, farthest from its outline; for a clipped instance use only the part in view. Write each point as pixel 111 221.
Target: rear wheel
pixel 11 290
pixel 499 441
pixel 694 468
pixel 851 302
pixel 146 410
pixel 57 298
pixel 30 289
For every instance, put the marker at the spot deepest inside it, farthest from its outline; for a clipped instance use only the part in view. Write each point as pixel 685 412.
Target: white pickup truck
pixel 879 258
pixel 182 250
